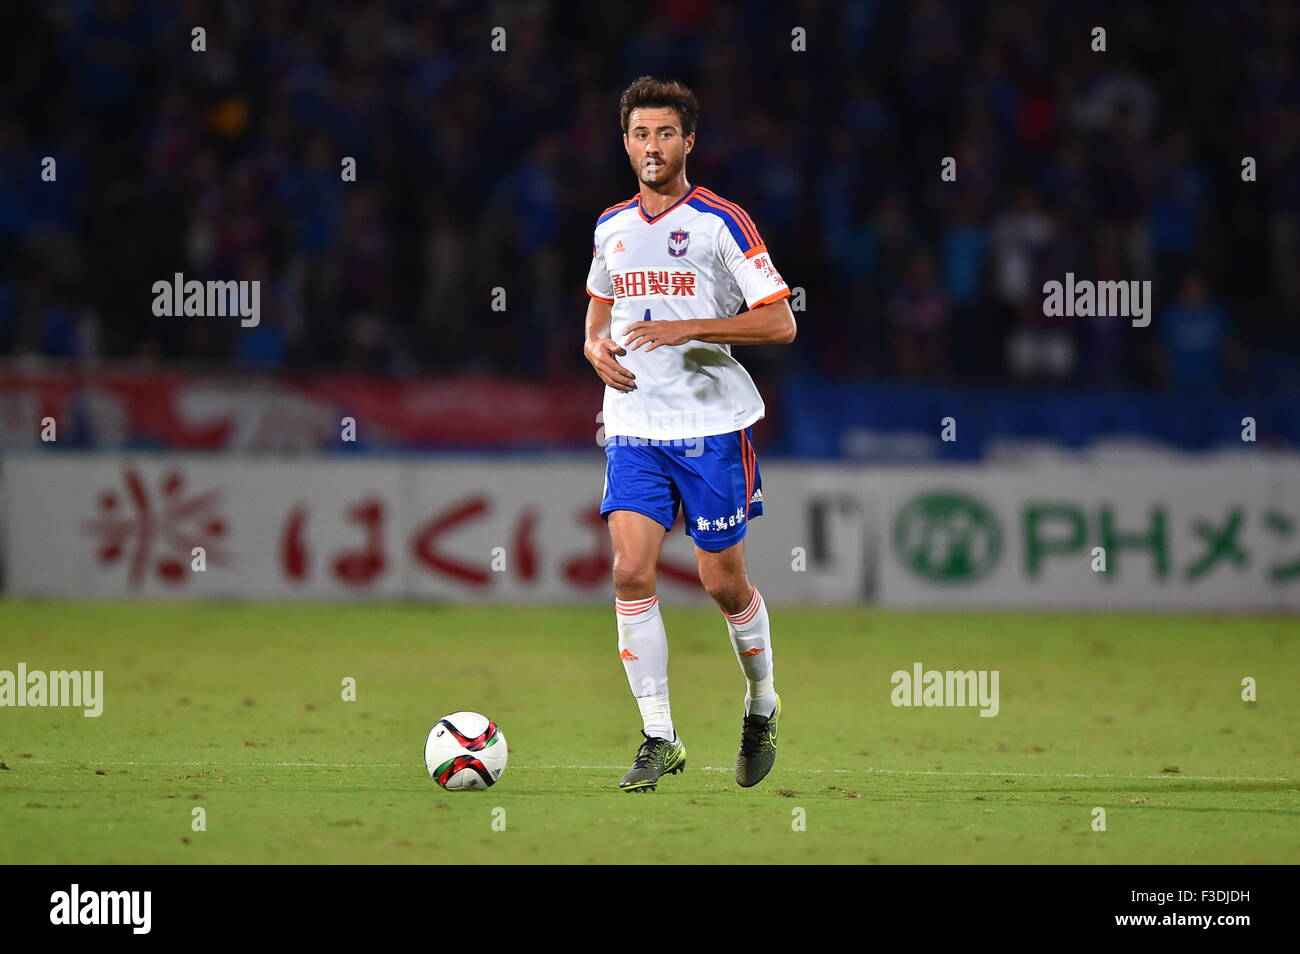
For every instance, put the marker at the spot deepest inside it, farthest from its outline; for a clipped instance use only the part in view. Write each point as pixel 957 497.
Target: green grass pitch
pixel 237 709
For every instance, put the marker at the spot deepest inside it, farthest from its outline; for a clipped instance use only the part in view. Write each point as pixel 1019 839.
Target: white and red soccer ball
pixel 464 751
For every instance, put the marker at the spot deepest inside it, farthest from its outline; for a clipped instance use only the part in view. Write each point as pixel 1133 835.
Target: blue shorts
pixel 714 479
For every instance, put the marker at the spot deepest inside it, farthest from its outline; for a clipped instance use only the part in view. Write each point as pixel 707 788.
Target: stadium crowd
pixel 479 169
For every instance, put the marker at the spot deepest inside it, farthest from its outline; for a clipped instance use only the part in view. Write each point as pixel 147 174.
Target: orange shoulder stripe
pixel 617 205
pixel 738 212
pixel 751 234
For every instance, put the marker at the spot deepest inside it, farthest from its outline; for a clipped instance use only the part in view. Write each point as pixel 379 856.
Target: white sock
pixel 643 647
pixel 752 642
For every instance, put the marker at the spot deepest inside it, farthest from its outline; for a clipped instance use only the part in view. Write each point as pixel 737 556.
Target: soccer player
pixel 670 269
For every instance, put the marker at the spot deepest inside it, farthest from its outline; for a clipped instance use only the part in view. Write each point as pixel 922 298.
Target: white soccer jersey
pixel 701 257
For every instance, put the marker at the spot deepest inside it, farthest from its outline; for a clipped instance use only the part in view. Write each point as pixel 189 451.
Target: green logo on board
pixel 947 537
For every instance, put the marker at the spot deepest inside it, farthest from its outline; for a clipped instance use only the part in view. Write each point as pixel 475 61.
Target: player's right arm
pixel 599 348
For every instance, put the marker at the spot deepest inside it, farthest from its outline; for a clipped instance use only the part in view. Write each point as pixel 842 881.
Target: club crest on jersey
pixel 677 241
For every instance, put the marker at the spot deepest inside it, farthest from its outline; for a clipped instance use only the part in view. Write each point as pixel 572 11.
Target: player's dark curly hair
pixel 650 93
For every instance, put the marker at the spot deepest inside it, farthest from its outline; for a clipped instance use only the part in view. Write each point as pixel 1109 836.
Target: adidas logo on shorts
pixel 757 496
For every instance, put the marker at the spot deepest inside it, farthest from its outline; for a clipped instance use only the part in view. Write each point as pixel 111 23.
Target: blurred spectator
pixel 1193 331
pixel 918 316
pixel 1018 236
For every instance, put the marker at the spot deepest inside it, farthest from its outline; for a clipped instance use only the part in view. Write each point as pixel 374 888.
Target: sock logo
pixel 628 654
pixel 752 652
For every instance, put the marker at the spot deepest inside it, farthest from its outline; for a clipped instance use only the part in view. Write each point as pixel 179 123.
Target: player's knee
pixel 727 588
pixel 633 578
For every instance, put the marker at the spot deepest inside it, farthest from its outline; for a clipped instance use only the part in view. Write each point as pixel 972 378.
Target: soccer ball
pixel 464 751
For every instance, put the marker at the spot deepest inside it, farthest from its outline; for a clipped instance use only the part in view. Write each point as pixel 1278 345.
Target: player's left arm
pixel 769 319
pixel 772 323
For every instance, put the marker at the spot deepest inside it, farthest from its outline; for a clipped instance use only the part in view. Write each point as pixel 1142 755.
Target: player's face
pixel 655 145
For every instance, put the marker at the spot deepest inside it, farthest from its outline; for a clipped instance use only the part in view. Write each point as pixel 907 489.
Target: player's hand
pixel 601 353
pixel 653 334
